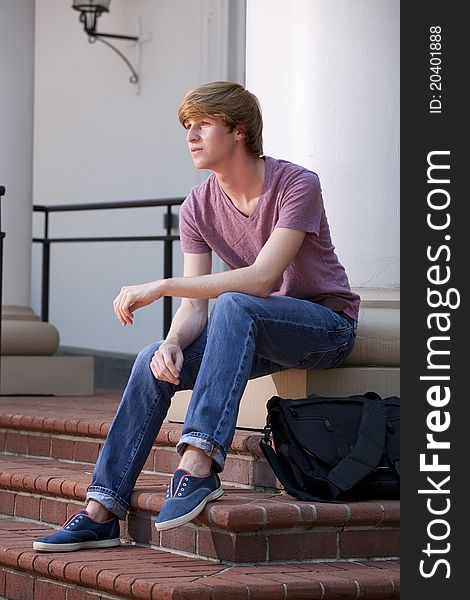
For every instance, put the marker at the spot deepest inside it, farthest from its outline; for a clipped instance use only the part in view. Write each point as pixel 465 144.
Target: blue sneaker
pixel 186 497
pixel 80 531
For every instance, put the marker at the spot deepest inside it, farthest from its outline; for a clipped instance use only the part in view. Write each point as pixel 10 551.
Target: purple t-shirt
pixel 291 198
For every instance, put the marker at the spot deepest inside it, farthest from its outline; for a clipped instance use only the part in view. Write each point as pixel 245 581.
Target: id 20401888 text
pixel 435 67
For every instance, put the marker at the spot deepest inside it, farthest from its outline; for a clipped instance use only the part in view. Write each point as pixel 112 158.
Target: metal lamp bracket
pixel 135 42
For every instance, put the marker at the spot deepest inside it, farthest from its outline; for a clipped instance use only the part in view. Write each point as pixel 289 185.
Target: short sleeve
pixel 301 205
pixel 192 242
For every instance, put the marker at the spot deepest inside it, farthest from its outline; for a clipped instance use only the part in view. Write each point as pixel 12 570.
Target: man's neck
pixel 243 181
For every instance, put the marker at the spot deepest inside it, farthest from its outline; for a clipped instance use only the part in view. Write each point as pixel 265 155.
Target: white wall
pixel 327 75
pixel 326 72
pixel 96 140
pixel 16 140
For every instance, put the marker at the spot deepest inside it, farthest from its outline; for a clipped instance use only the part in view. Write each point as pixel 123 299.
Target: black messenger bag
pixel 326 448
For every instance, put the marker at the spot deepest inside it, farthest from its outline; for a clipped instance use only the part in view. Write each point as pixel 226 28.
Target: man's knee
pixel 144 358
pixel 235 302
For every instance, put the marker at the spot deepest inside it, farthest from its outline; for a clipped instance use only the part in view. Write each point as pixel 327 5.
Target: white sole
pixel 46 547
pixel 191 515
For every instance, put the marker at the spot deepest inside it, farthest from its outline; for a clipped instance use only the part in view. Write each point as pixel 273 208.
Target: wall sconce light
pixel 90 11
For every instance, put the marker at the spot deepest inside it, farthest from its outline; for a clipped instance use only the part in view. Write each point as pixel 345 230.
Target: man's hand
pixel 132 297
pixel 167 362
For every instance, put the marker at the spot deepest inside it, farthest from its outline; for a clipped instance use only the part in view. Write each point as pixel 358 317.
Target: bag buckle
pixel 267 435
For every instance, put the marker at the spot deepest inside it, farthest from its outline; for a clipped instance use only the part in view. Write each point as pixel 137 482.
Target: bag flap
pixel 325 430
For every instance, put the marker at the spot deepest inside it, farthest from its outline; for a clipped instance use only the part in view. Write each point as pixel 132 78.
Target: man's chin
pixel 200 164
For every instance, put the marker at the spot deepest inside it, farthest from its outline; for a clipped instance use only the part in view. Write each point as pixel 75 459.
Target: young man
pixel 285 302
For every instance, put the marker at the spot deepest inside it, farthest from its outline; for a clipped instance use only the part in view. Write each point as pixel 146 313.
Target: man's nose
pixel 192 134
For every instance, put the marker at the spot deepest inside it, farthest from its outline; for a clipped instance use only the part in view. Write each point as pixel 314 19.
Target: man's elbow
pixel 264 286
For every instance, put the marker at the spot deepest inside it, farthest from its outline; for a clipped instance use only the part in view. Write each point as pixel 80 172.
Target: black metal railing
pixel 168 238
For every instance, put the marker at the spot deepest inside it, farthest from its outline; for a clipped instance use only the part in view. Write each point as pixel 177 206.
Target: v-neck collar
pixel 233 208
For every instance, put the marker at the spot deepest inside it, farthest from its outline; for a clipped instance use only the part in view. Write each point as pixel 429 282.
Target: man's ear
pixel 239 134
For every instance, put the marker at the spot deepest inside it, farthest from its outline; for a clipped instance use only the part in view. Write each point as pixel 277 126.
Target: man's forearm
pixel 247 280
pixel 188 323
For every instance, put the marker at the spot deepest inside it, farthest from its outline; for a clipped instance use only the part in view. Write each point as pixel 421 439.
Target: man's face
pixel 210 142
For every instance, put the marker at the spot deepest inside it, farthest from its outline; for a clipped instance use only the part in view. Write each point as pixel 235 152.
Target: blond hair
pixel 230 101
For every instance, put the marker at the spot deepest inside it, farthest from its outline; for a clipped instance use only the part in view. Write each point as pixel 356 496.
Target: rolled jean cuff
pixel 204 442
pixel 115 505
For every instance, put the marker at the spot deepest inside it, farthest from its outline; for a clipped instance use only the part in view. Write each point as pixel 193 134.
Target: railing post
pixel 46 263
pixel 167 271
pixel 2 235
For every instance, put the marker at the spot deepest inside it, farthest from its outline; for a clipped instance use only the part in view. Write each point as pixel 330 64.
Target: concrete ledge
pixel 379 297
pixel 294 383
pixel 17 312
pixel 111 369
pixel 32 338
pixel 24 334
pixel 346 381
pixel 50 375
pixel 378 337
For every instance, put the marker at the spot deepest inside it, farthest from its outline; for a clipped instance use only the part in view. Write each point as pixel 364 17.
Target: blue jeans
pixel 246 337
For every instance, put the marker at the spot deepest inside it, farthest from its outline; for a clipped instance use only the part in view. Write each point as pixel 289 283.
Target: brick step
pixel 242 526
pixel 145 574
pixel 75 430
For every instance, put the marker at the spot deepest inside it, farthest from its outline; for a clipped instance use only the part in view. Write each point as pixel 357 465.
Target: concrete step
pixel 242 526
pixel 75 429
pixel 146 574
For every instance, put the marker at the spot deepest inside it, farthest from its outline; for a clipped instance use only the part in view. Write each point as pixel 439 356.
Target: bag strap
pixel 367 452
pixel 284 475
pixel 392 445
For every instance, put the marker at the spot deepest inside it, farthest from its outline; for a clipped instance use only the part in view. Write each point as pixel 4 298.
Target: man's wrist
pixel 172 339
pixel 161 287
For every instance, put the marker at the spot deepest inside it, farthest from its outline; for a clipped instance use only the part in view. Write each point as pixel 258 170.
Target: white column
pixel 16 145
pixel 327 75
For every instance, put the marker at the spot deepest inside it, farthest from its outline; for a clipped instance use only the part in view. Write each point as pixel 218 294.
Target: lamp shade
pixel 90 10
pixel 95 6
